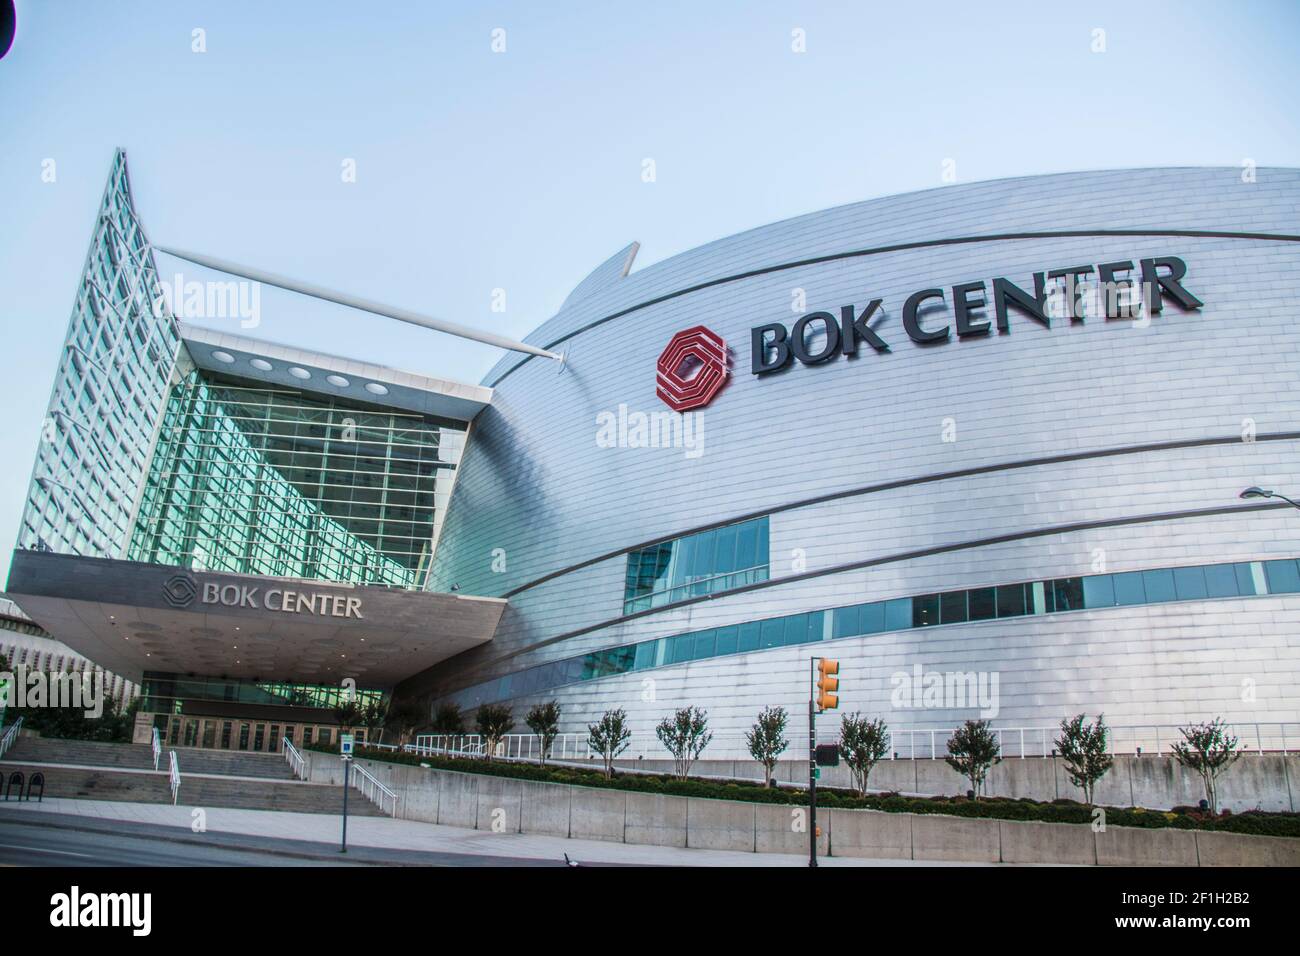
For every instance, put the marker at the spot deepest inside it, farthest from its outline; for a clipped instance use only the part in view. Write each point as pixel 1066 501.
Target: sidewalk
pixel 319 833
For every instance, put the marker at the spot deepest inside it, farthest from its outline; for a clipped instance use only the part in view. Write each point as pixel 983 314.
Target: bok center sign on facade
pixel 282 600
pixel 772 347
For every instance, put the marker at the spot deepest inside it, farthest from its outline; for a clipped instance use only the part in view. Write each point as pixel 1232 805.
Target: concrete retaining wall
pixel 1268 782
pixel 504 805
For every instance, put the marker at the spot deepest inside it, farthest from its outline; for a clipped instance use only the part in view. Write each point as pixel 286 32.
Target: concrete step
pixel 140 757
pixel 88 783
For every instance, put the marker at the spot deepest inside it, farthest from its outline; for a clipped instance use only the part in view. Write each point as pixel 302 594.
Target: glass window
pixel 727 639
pixel 1067 594
pixel 1098 591
pixel 773 633
pixel 925 610
pixel 1247 582
pixel 750 634
pixel 846 622
pixel 695 565
pixel 705 642
pixel 1011 600
pixel 1129 588
pixel 1189 583
pixel 898 614
pixel 796 629
pixel 952 607
pixel 871 617
pixel 1159 585
pixel 1283 577
pixel 1220 580
pixel 680 648
pixel 983 603
pixel 645 655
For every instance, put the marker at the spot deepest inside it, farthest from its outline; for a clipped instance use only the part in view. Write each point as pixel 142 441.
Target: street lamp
pixel 1255 492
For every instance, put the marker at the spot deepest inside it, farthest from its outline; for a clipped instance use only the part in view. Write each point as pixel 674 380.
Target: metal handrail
pixel 157 748
pixel 916 743
pixel 295 759
pixel 373 790
pixel 10 735
pixel 174 777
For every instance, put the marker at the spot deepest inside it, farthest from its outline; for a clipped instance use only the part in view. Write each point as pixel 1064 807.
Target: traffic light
pixel 827 684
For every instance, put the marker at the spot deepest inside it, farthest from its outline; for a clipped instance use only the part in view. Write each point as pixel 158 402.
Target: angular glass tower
pixel 109 388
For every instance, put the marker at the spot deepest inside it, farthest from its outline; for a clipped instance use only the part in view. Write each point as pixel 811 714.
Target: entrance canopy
pixel 130 617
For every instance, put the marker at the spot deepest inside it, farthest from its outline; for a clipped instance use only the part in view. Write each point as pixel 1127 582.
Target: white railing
pixel 905 744
pixel 10 735
pixel 157 748
pixel 374 791
pixel 295 759
pixel 174 776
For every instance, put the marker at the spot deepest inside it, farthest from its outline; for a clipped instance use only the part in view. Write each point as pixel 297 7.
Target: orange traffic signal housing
pixel 827 684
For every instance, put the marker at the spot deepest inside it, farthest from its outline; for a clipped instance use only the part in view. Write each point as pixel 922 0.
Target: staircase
pixel 87 770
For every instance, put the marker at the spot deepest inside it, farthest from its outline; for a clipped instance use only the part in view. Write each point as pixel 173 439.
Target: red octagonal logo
pixel 692 369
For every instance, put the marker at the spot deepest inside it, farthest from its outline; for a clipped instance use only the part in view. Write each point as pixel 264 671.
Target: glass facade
pixel 697 564
pixel 272 481
pixel 926 610
pixel 108 391
pixel 164 693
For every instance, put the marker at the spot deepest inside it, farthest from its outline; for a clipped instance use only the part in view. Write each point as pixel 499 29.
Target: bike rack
pixel 18 778
pixel 37 777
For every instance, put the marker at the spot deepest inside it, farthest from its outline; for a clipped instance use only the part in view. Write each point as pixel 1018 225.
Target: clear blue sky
pixel 522 170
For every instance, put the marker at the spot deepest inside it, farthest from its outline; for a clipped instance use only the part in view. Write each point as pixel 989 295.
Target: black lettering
pixel 799 336
pixel 1153 284
pixel 913 325
pixel 852 329
pixel 964 307
pixel 1071 276
pixel 758 349
pixel 1008 293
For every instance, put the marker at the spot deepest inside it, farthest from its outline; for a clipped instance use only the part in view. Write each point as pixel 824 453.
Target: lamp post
pixel 1256 492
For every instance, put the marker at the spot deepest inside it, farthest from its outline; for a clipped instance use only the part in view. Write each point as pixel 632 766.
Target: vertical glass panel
pixel 1067 594
pixel 773 633
pixel 1011 600
pixel 1098 591
pixel 1221 580
pixel 1159 585
pixel 898 614
pixel 645 655
pixel 705 642
pixel 1129 588
pixel 1283 577
pixel 925 610
pixel 846 622
pixel 983 604
pixel 681 648
pixel 750 634
pixel 1189 583
pixel 952 607
pixel 728 639
pixel 796 629
pixel 871 617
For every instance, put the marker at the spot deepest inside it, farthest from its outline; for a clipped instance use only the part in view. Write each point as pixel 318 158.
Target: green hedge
pixel 990 808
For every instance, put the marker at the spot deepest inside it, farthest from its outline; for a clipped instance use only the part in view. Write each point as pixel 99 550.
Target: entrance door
pixel 226 727
pixel 273 743
pixel 259 737
pixel 209 734
pixel 243 736
pixel 191 733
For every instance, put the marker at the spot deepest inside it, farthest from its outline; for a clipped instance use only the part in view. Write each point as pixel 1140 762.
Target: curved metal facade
pixel 1020 456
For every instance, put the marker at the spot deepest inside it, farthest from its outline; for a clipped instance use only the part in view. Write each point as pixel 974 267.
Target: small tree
pixel 403 717
pixel 972 752
pixel 448 721
pixel 349 714
pixel 494 722
pixel 1083 748
pixel 609 737
pixel 767 740
pixel 1209 750
pixel 685 734
pixel 862 744
pixel 544 721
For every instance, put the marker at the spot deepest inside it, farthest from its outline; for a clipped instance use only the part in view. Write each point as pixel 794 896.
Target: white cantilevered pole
pixel 356 302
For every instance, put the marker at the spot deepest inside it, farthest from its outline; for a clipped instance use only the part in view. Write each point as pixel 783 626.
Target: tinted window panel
pixel 1245 579
pixel 925 610
pixel 1159 585
pixel 773 633
pixel 749 636
pixel 1067 594
pixel 871 617
pixel 796 629
pixel 1189 583
pixel 645 655
pixel 846 621
pixel 679 648
pixel 1129 588
pixel 704 644
pixel 1011 600
pixel 898 614
pixel 952 607
pixel 1283 578
pixel 1098 591
pixel 1220 580
pixel 983 604
pixel 728 638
